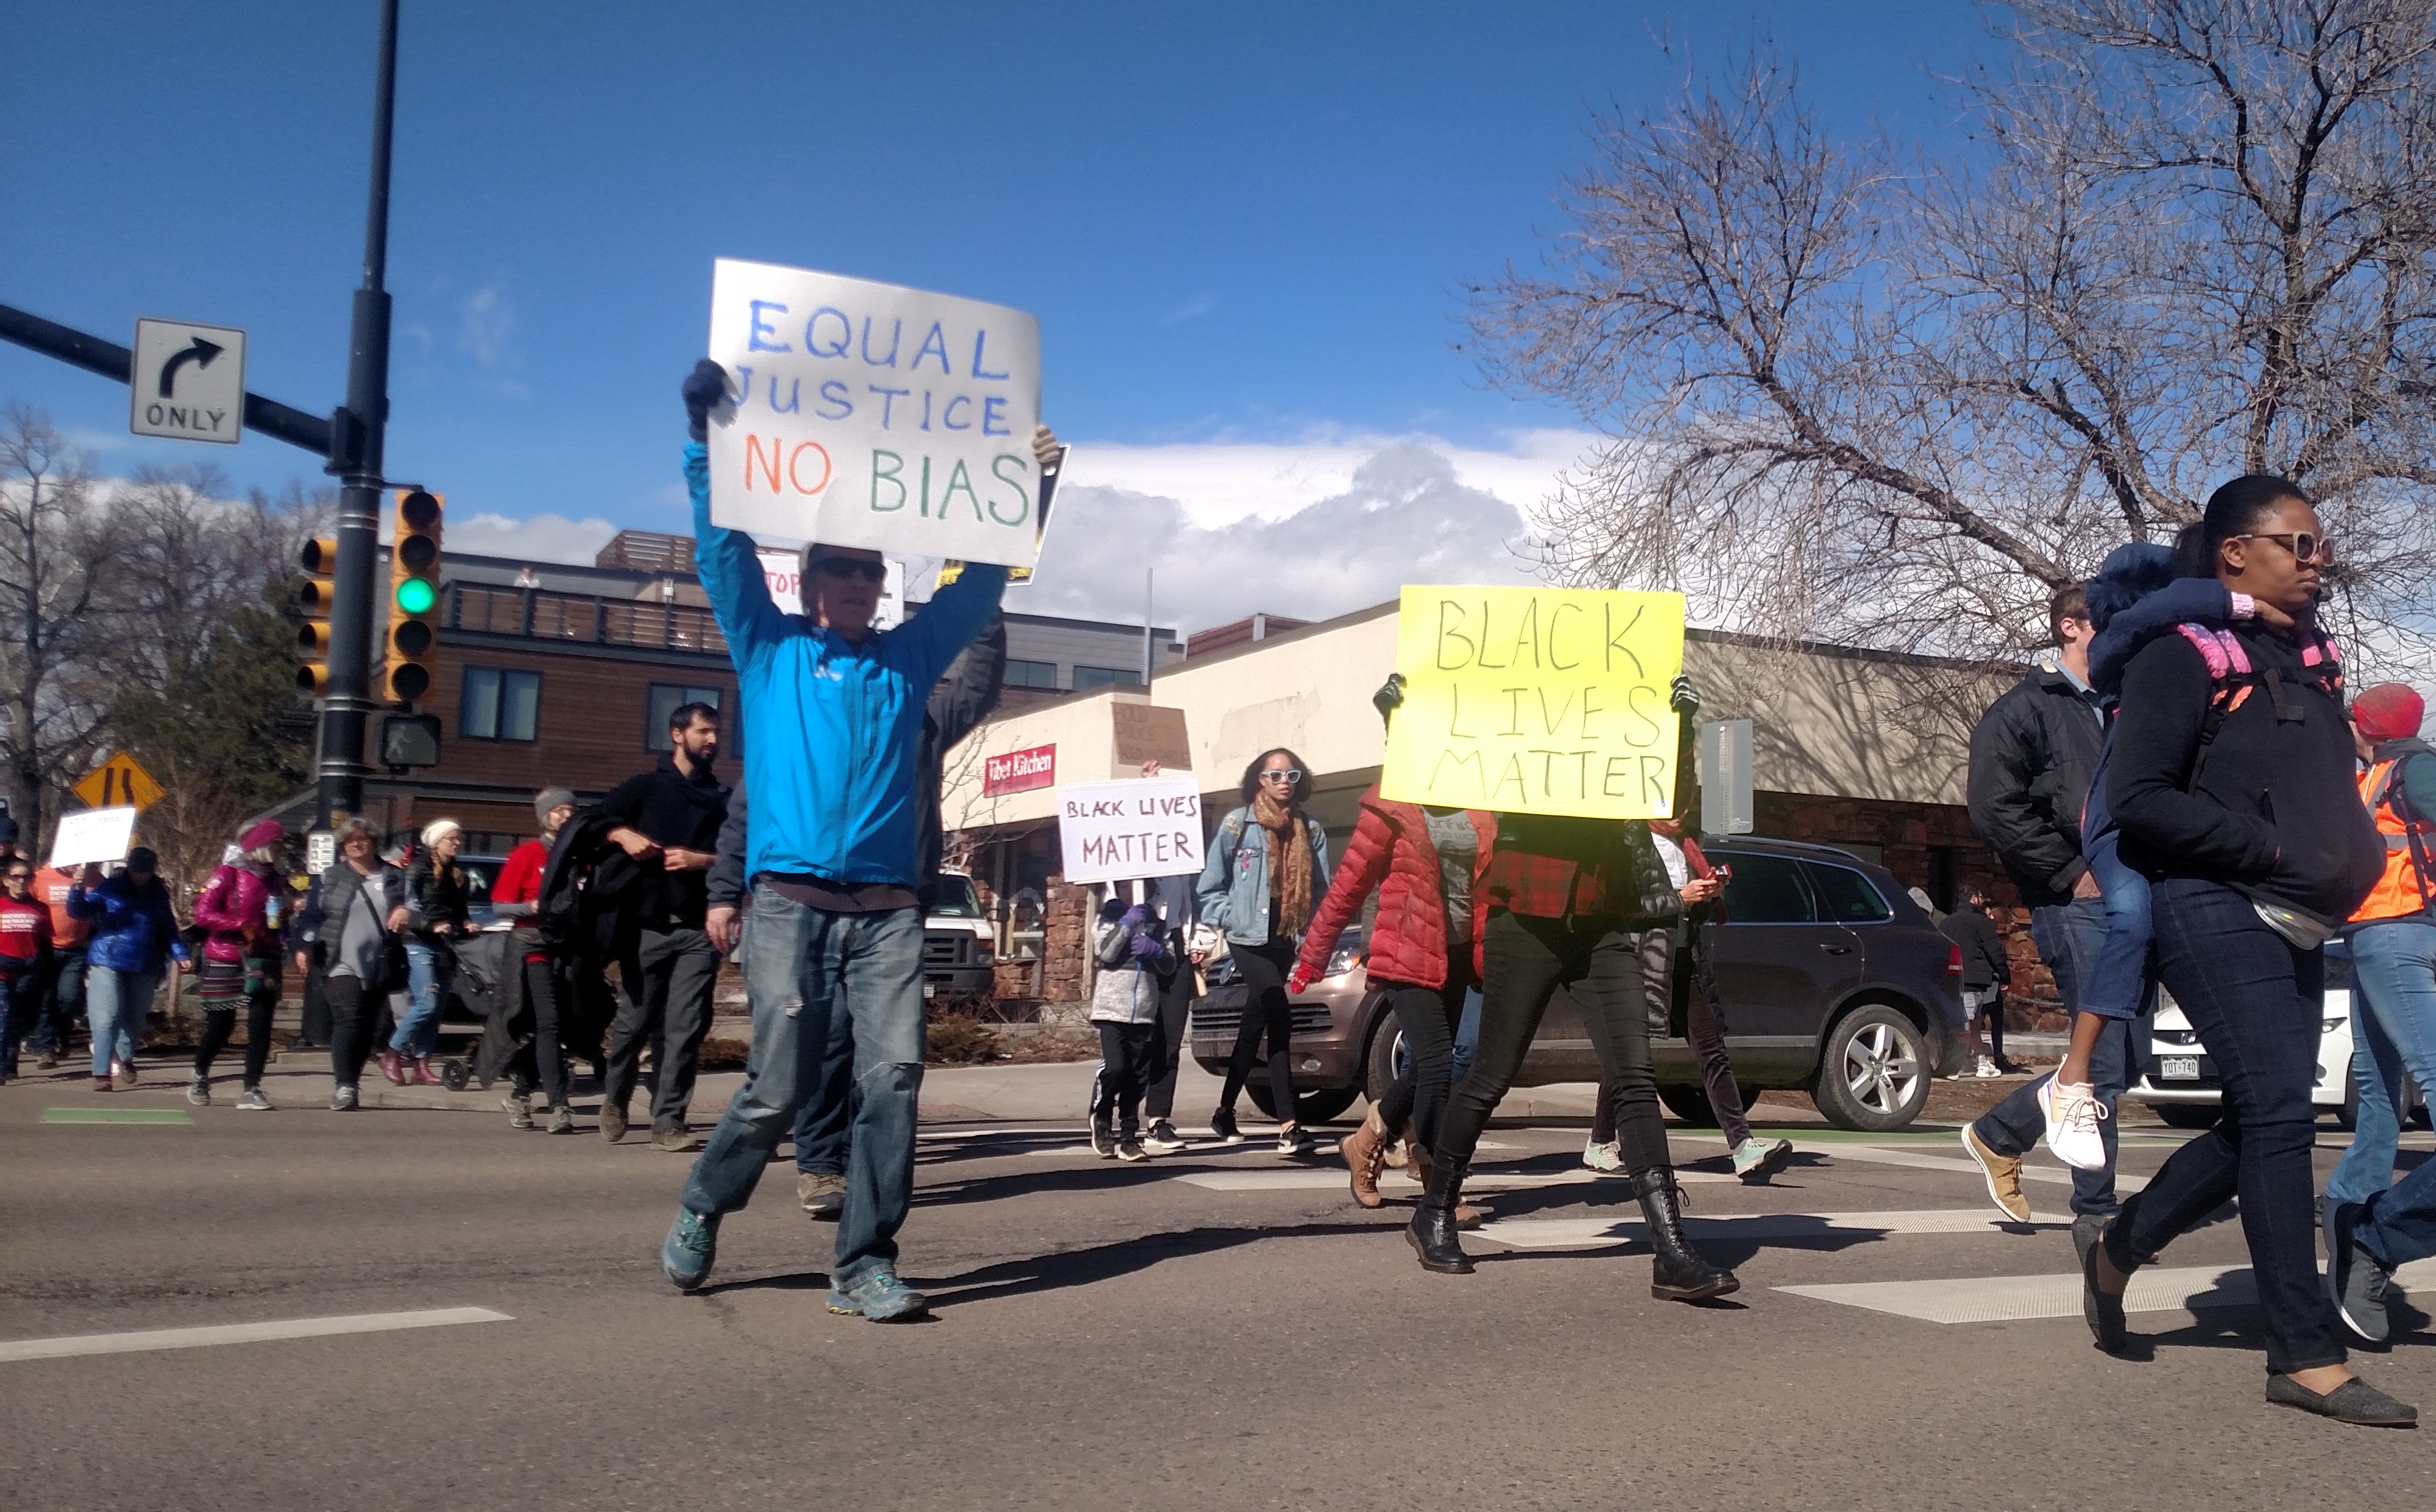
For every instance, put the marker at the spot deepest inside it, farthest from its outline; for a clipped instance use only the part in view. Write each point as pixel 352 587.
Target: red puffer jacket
pixel 1391 851
pixel 232 910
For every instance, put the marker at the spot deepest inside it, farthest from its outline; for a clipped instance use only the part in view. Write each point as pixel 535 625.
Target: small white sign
pixel 94 835
pixel 784 572
pixel 867 414
pixel 1117 832
pixel 188 383
pixel 321 850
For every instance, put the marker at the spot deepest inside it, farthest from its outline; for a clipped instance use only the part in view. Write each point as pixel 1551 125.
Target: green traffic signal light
pixel 416 596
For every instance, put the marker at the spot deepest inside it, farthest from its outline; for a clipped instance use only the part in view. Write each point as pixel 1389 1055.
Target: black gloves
pixel 1680 698
pixel 704 389
pixel 1389 698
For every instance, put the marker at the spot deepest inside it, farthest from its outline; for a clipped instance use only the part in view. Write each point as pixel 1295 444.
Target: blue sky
pixel 1241 226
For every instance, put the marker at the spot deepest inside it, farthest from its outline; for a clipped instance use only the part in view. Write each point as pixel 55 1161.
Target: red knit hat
pixel 268 833
pixel 2389 711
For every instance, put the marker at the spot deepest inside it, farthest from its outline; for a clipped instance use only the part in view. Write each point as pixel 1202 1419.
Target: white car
pixel 2181 1084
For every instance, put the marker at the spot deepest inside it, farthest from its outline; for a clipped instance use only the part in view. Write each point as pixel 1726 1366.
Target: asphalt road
pixel 1216 1330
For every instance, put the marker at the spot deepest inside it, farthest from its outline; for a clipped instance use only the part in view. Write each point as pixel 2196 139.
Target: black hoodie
pixel 2274 809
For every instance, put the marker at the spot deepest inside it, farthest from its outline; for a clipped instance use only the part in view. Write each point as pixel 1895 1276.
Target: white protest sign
pixel 94 835
pixel 784 572
pixel 1117 832
pixel 873 415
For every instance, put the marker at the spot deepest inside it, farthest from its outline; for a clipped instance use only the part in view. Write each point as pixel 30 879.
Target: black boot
pixel 1432 1231
pixel 1676 1272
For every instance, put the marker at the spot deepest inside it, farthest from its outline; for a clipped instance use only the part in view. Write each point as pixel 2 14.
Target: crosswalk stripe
pixel 84 1343
pixel 1876 1154
pixel 2003 1298
pixel 1399 1184
pixel 1586 1233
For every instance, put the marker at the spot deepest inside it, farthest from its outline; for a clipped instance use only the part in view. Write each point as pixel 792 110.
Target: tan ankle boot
pixel 1363 1158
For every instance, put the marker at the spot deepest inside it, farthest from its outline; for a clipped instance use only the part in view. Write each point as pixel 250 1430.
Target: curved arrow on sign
pixel 200 354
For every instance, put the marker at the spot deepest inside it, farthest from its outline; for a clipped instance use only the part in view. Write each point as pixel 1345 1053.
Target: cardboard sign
pixel 95 835
pixel 1540 700
pixel 1145 732
pixel 1019 771
pixel 868 414
pixel 1117 832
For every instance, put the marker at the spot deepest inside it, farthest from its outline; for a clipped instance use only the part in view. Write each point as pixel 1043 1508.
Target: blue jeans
pixel 2070 938
pixel 2394 1035
pixel 63 1000
pixel 426 976
pixel 803 967
pixel 117 1002
pixel 2118 983
pixel 1466 1035
pixel 2256 1001
pixel 821 1127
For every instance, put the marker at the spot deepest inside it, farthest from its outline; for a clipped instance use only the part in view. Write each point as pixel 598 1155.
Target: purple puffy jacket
pixel 235 908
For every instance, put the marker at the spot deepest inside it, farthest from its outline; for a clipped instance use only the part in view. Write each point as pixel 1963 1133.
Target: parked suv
pixel 1832 981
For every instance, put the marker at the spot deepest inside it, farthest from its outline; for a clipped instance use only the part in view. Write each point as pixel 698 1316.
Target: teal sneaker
pixel 881 1297
pixel 691 1245
pixel 1756 1160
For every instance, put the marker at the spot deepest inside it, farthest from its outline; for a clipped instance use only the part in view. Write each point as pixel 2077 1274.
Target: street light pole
pixel 355 457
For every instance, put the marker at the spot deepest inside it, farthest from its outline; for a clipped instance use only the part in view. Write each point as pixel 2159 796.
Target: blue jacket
pixel 134 929
pixel 1234 890
pixel 832 730
pixel 2143 620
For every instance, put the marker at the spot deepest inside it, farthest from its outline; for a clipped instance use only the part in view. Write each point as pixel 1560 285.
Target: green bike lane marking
pixel 115 1115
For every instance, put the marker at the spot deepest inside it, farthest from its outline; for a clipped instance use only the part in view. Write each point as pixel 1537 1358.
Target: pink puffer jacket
pixel 235 908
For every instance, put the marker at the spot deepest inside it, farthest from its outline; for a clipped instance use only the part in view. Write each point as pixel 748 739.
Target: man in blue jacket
pixel 832 716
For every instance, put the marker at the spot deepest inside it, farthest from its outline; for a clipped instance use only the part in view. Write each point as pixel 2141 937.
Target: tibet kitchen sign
pixel 1019 771
pixel 872 415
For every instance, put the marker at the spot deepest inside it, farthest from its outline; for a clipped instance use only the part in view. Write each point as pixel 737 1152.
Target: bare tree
pixel 1898 400
pixel 53 622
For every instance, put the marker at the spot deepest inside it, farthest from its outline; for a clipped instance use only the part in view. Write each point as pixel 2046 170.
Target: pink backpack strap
pixel 2219 648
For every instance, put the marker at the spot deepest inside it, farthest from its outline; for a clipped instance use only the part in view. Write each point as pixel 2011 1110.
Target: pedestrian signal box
pixel 320 560
pixel 413 637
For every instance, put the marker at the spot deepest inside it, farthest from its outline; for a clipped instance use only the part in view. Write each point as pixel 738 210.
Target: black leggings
pixel 541 1058
pixel 1599 964
pixel 1428 1016
pixel 1701 1027
pixel 220 1025
pixel 1266 1014
pixel 353 1023
pixel 1994 1014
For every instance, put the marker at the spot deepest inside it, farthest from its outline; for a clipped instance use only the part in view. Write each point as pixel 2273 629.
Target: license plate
pixel 2178 1069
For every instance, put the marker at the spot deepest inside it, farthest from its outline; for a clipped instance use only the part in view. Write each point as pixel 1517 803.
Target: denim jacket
pixel 1234 888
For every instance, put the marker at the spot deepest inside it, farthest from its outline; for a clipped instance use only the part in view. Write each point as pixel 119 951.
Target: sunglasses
pixel 872 572
pixel 21 876
pixel 1290 775
pixel 2305 549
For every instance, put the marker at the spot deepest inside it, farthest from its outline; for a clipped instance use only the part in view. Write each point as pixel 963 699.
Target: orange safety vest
pixel 2405 889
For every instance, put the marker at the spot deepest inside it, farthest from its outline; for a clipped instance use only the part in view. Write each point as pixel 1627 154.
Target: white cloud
pixel 1220 482
pixel 1404 514
pixel 541 538
pixel 1200 304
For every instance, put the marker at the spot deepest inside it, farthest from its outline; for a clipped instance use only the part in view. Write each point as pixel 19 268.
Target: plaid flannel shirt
pixel 1549 868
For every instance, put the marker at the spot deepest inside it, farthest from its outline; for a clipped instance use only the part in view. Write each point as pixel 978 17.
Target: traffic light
pixel 320 560
pixel 413 598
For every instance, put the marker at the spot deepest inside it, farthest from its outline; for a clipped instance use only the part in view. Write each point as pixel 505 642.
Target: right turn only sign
pixel 188 383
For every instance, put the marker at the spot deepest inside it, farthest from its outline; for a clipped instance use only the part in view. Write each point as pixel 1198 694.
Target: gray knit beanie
pixel 549 799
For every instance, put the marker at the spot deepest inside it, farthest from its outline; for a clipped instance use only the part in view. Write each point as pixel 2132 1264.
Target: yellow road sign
pixel 121 781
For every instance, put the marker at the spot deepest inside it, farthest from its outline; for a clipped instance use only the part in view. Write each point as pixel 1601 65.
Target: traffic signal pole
pixel 355 457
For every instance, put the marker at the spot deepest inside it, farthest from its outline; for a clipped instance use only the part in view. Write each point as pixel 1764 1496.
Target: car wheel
pixel 2188 1114
pixel 1386 1059
pixel 1311 1107
pixel 1689 1104
pixel 2347 1116
pixel 1874 1075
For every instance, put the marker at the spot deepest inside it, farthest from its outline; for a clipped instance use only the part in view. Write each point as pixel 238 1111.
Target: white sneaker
pixel 1608 1156
pixel 251 1101
pixel 2074 1113
pixel 1988 1067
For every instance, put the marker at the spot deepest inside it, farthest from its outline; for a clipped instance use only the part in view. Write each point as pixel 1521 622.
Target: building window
pixel 1085 677
pixel 500 704
pixel 1031 674
pixel 666 698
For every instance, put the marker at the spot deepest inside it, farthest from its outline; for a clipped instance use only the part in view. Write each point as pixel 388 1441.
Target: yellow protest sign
pixel 1541 700
pixel 119 782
